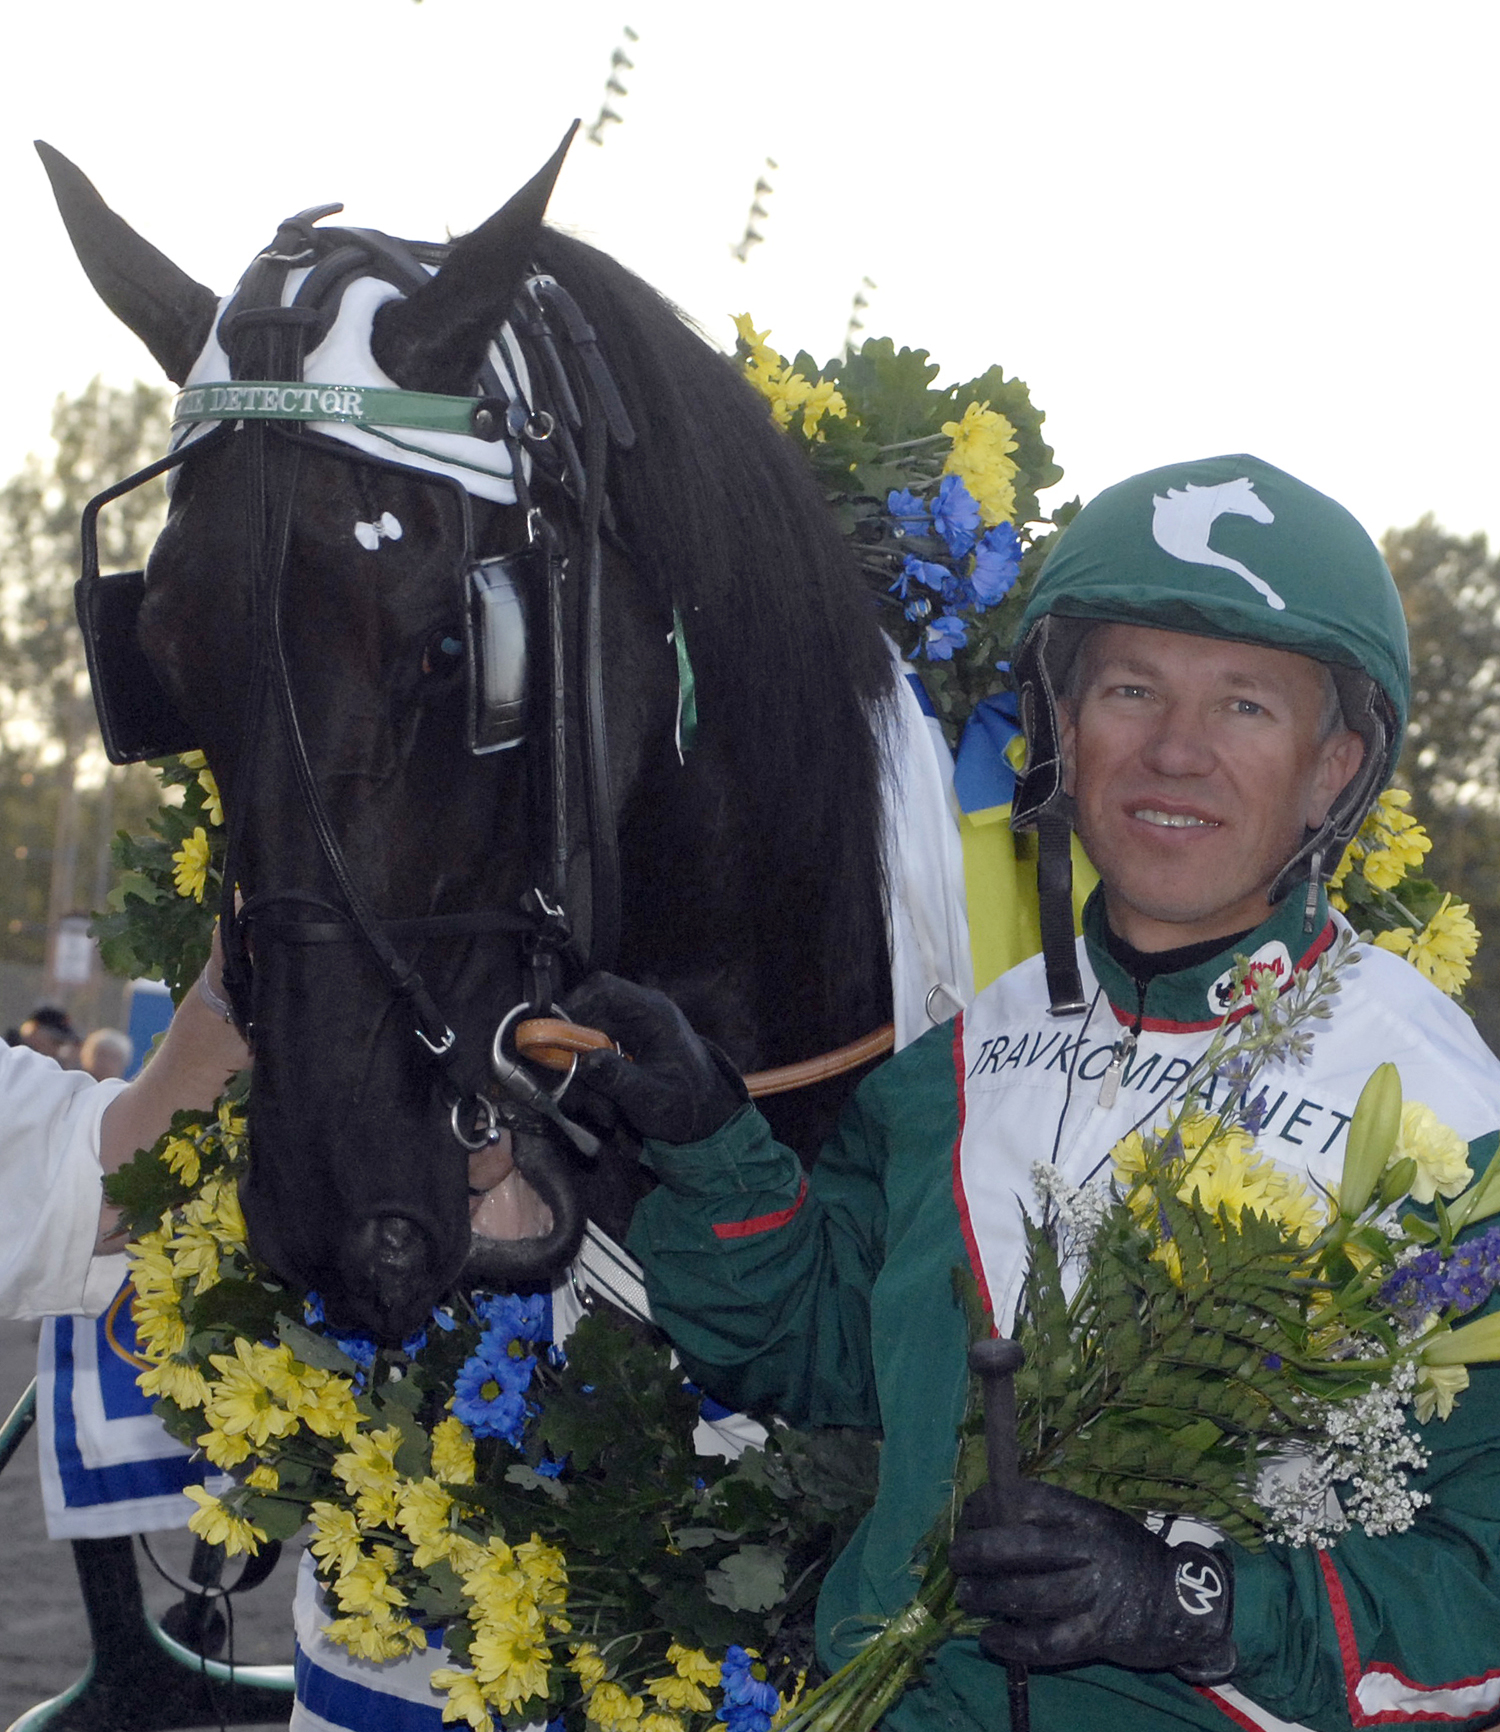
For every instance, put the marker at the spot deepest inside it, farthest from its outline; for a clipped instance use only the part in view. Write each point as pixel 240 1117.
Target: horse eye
pixel 442 653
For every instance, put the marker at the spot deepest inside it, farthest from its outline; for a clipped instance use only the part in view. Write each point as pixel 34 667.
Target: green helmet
pixel 1226 547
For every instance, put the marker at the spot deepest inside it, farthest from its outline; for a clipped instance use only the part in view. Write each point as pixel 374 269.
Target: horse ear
pixel 167 310
pixel 436 339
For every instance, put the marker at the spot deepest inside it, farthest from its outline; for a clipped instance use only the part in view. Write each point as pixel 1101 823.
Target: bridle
pixel 560 428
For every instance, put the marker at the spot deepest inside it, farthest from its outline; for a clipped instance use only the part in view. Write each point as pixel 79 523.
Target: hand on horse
pixel 675 1086
pixel 1069 1581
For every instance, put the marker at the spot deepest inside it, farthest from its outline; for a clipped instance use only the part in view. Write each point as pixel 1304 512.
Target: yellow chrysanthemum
pixel 1442 950
pixel 761 353
pixel 787 392
pixel 176 1379
pixel 190 865
pixel 982 443
pixel 226 1450
pixel 675 1692
pixel 422 1508
pixel 658 1722
pixel 263 1478
pixel 511 1657
pixel 324 1402
pixel 219 1526
pixel 453 1452
pixel 367 1470
pixel 614 1709
pixel 211 794
pixel 1217 1172
pixel 588 1663
pixel 181 1156
pixel 336 1535
pixel 1390 843
pixel 694 1665
pixel 465 1698
pixel 1438 1387
pixel 242 1402
pixel 366 1587
pixel 376 1638
pixel 1441 1154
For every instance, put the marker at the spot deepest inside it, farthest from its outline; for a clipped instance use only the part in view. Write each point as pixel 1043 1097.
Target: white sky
pixel 1191 226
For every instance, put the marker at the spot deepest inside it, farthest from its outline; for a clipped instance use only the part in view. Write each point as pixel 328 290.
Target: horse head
pixel 324 607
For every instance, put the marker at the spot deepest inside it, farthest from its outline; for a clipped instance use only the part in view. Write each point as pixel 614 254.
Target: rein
pixel 555 1044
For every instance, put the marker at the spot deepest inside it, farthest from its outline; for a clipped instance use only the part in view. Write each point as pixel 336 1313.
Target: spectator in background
pixel 48 1031
pixel 106 1053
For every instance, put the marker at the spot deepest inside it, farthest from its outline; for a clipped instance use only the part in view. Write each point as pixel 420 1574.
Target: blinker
pixel 495 645
pixel 137 716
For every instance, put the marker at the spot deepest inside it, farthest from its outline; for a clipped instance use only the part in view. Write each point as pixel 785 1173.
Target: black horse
pixel 304 610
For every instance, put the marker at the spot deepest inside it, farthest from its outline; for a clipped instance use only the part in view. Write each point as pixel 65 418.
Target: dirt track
pixel 43 1637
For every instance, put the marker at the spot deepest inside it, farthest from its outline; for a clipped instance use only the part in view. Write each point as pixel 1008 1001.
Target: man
pixel 60 1132
pixel 48 1031
pixel 1213 671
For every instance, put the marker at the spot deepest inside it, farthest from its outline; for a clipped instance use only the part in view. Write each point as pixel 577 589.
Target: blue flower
pixel 749 1701
pixel 946 634
pixel 918 607
pixel 997 560
pixel 518 1316
pixel 550 1469
pixel 489 1398
pixel 922 571
pixel 909 512
pixel 955 515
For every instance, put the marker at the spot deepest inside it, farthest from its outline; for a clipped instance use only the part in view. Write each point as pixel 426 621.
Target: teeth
pixel 1174 820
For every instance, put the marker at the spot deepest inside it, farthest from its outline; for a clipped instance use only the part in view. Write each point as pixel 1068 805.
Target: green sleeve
pixel 1404 1626
pixel 762 1276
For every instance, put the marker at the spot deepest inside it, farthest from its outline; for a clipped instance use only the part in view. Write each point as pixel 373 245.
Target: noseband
pixel 555 415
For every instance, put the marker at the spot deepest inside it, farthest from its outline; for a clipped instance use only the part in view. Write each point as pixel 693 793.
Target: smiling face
pixel 1196 766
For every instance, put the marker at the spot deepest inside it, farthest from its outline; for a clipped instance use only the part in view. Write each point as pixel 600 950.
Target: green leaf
pixel 751 1579
pixel 318 1351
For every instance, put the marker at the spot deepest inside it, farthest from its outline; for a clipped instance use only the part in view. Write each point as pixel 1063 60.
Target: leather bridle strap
pixel 554 1044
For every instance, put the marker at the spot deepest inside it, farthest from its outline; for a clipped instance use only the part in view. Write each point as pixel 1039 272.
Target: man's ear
pixel 1339 759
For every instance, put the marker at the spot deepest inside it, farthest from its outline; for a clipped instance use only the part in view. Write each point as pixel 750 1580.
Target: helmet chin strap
pixel 1314 880
pixel 1054 883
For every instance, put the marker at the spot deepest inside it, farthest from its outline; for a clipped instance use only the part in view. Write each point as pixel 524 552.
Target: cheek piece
pixel 1070 1582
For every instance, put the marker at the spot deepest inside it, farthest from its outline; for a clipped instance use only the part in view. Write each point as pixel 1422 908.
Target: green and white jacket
pixel 829 1299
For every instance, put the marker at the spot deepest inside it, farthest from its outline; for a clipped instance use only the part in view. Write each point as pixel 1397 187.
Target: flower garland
pixel 547 1510
pixel 937 490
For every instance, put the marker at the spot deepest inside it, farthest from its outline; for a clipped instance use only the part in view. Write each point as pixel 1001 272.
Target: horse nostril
pixel 387 1267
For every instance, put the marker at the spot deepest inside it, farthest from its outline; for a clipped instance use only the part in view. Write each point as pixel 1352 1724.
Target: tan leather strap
pixel 553 1043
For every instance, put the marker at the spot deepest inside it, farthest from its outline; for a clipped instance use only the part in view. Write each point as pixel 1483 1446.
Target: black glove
pixel 675 1086
pixel 1070 1581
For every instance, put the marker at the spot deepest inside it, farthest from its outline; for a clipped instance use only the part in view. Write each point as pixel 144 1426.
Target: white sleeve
pixel 50 1184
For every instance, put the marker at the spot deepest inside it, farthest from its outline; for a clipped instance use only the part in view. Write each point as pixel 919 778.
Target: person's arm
pixel 200 1051
pixel 762 1278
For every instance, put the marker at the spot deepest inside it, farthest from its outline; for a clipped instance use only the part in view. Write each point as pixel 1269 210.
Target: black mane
pixel 724 516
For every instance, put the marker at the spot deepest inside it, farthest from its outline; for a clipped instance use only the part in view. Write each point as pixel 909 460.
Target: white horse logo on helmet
pixel 1184 516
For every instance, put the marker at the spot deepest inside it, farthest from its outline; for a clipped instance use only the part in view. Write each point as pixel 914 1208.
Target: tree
pixel 1450 587
pixel 59 800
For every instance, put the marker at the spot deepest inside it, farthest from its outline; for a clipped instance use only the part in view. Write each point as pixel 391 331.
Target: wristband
pixel 212 999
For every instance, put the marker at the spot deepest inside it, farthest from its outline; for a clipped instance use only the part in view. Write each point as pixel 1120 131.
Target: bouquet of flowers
pixel 1207 1334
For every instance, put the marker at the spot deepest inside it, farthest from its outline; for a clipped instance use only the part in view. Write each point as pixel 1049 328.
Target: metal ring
pixel 539 426
pixel 948 993
pixel 491 1132
pixel 498 1055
